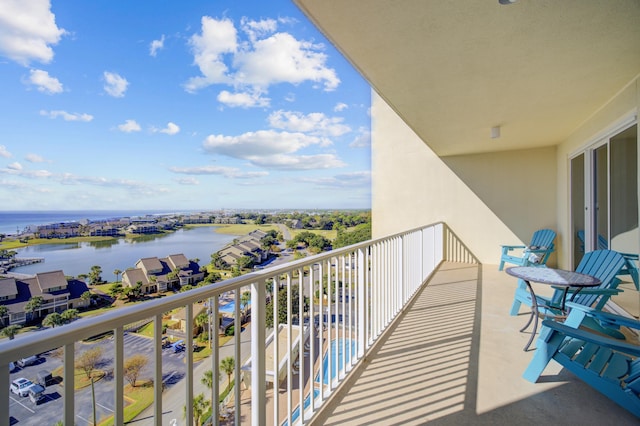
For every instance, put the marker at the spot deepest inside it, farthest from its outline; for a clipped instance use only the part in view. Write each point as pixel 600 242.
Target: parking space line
pixel 106 408
pixel 18 402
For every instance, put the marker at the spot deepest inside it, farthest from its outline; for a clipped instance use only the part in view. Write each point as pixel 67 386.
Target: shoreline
pixel 15 242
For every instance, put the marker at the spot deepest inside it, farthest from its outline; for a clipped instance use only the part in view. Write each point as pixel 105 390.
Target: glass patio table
pixel 553 277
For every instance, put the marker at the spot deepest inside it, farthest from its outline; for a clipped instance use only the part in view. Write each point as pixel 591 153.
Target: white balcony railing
pixel 350 296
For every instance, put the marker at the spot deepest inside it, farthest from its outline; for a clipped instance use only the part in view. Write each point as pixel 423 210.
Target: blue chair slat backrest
pixel 535 254
pixel 604 265
pixel 631 267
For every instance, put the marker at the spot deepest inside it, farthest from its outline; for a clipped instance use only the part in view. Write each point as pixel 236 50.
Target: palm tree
pixel 227 365
pixel 117 273
pixel 10 331
pixel 245 299
pixel 207 380
pixel 200 406
pixel 4 311
pixel 69 315
pixel 53 320
pixel 33 305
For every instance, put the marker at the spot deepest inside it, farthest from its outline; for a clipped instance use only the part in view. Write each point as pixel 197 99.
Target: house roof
pixel 49 280
pixel 452 70
pixel 132 276
pixel 150 264
pixel 8 287
pixel 178 261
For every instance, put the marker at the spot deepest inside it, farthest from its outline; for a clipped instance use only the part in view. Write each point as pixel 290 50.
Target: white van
pixel 30 360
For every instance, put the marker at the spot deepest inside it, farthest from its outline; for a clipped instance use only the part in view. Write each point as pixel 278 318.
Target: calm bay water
pixel 78 258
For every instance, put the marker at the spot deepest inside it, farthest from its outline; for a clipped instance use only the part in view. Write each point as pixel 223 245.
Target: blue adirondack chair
pixel 610 366
pixel 631 259
pixel 602 264
pixel 535 254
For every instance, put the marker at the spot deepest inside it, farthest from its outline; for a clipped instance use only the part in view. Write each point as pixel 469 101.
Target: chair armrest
pixel 587 336
pixel 512 247
pixel 606 317
pixel 607 291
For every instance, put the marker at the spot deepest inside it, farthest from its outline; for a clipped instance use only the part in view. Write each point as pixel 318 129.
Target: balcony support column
pixel 157 367
pixel 258 357
pixel 118 376
pixel 69 384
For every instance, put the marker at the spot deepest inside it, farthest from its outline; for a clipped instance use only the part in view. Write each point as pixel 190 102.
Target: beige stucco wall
pixel 487 199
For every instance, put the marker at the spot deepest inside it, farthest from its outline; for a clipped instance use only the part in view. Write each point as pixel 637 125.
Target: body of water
pixel 78 258
pixel 12 222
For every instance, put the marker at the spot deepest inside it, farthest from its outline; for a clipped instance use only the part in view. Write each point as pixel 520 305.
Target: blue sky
pixel 177 105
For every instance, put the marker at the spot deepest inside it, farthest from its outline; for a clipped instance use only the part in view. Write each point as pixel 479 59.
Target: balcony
pixel 376 346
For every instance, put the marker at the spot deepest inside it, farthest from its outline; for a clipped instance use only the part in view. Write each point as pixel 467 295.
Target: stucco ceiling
pixel 453 69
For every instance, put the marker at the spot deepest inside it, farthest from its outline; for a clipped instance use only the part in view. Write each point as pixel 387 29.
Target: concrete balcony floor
pixel 455 357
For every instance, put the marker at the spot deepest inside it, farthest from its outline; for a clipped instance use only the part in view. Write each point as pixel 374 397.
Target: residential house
pixel 58 294
pixel 59 230
pixel 160 275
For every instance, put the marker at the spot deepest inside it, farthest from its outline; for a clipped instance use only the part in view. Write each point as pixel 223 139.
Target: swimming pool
pixel 230 308
pixel 336 364
pixel 336 344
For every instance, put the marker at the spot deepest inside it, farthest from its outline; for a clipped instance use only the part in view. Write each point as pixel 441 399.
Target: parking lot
pixel 24 412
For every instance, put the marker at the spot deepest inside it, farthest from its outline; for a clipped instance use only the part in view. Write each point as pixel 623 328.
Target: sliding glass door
pixel 604 202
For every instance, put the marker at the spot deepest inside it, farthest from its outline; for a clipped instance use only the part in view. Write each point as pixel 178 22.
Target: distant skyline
pixel 174 106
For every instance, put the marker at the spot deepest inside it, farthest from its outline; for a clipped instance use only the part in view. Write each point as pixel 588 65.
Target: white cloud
pixel 171 129
pixel 256 29
pixel 129 126
pixel 28 30
pixel 282 58
pixel 340 106
pixel 314 123
pixel 273 150
pixel 260 143
pixel 44 82
pixel 228 172
pixel 4 152
pixel 115 85
pixel 345 180
pixel 362 140
pixel 34 158
pixel 243 100
pixel 264 59
pixel 218 37
pixel 67 116
pixel 156 45
pixel 297 162
pixel 188 181
pixel 15 166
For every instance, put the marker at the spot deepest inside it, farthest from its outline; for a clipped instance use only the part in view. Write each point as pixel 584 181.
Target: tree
pixel 245 299
pixel 10 331
pixel 4 311
pixel 69 315
pixel 227 365
pixel 95 275
pixel 115 290
pixel 282 306
pixel 53 320
pixel 117 273
pixel 89 360
pixel 86 296
pixel 244 262
pixel 33 305
pixel 207 380
pixel 133 366
pixel 200 406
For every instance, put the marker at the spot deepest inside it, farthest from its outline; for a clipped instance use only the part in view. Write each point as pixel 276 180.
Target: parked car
pixel 20 386
pixel 166 342
pixel 30 360
pixel 178 346
pixel 12 366
pixel 45 378
pixel 36 393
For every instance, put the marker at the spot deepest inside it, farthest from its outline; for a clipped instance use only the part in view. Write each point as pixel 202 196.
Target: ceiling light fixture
pixel 507 1
pixel 495 132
